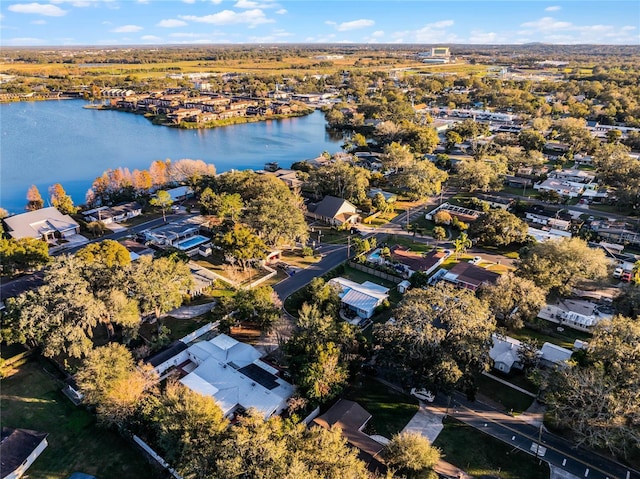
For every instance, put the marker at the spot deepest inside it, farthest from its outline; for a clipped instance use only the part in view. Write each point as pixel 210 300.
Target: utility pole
pixel 538 447
pixel 348 246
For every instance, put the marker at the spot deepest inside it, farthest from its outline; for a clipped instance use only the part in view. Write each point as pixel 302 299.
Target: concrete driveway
pixel 427 421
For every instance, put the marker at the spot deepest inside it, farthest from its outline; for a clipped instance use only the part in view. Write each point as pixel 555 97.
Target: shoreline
pixel 160 119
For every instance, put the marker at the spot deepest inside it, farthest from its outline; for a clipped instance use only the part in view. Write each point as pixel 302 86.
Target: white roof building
pixel 234 375
pixel 554 355
pixel 360 298
pixel 45 223
pixel 504 352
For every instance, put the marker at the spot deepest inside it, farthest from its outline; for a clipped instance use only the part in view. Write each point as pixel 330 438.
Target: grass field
pixel 510 399
pixel 565 338
pixel 390 409
pixel 31 399
pixel 483 456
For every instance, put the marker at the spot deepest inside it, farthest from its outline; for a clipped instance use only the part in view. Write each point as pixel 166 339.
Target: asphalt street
pixel 525 437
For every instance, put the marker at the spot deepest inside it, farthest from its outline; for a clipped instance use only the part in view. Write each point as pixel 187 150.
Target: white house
pixel 232 373
pixel 19 448
pixel 45 223
pixel 504 353
pixel 363 298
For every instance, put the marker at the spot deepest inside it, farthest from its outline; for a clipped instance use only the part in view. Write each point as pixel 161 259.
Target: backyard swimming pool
pixel 191 242
pixel 375 256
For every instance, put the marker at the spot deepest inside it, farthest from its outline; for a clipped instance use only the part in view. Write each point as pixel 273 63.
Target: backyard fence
pixel 376 273
pixel 156 456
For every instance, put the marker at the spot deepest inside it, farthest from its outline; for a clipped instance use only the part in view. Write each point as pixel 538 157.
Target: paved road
pixel 524 437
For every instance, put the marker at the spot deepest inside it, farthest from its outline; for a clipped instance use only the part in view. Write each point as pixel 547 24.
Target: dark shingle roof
pixel 16 446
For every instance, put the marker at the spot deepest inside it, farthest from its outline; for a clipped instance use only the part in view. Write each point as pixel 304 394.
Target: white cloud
pixel 150 38
pixel 39 22
pixel 246 4
pixel 480 37
pixel 25 41
pixel 282 11
pixel 277 36
pixel 434 32
pixel 547 24
pixel 127 29
pixel 352 25
pixel 171 23
pixel 193 35
pixel 553 8
pixel 229 17
pixel 321 39
pixel 38 9
pixel 88 3
pixel 548 29
pixel 440 24
pixel 189 1
pixel 378 34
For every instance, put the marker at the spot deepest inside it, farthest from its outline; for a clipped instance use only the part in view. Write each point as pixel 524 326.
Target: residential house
pixel 572 175
pixel 113 214
pixel 290 177
pixel 334 211
pixel 388 197
pixel 463 214
pixel 615 232
pixel 565 189
pixel 180 193
pixel 232 373
pixel 552 355
pixel 497 201
pixel 423 262
pixel 351 418
pixel 136 250
pixel 470 276
pixel 362 299
pixel 576 314
pixel 19 448
pixel 505 353
pixel 46 223
pixel 171 234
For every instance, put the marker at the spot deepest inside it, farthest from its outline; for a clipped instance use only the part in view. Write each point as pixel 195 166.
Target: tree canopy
pixel 498 227
pixel 599 400
pixel 559 264
pixel 440 338
pixel 110 380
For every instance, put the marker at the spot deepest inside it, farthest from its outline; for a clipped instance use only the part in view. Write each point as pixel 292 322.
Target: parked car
pixel 475 260
pixel 626 276
pixel 618 272
pixel 423 394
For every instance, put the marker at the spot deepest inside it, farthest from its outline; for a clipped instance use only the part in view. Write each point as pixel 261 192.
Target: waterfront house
pixel 46 223
pixel 334 211
pixel 113 214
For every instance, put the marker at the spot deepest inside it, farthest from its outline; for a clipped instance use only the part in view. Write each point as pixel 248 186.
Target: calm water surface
pixel 51 142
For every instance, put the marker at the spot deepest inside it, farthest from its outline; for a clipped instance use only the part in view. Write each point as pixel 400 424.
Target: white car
pixel 475 260
pixel 423 394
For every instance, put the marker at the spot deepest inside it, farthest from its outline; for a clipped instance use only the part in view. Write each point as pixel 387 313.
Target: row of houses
pixel 180 107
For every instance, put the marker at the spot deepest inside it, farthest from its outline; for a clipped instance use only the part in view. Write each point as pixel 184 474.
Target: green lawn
pixel 390 409
pixel 484 456
pixel 565 338
pixel 31 399
pixel 179 327
pixel 408 243
pixel 511 399
pixel 360 277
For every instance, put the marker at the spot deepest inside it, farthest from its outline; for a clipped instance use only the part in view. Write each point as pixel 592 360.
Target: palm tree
pixel 635 273
pixel 461 244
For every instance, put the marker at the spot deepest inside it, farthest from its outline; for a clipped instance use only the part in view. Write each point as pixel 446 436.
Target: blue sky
pixel 127 22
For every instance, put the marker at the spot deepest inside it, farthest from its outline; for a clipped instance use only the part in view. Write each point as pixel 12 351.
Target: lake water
pixel 60 142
